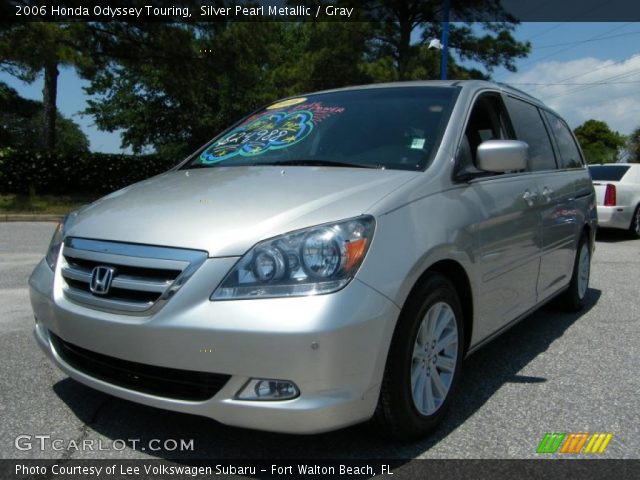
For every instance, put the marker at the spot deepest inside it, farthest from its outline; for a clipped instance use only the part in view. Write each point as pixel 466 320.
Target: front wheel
pixel 573 298
pixel 424 361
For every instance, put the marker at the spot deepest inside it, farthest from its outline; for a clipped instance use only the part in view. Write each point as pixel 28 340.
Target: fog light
pixel 268 389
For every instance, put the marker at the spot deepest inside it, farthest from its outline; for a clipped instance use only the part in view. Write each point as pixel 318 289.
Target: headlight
pixel 313 261
pixel 53 252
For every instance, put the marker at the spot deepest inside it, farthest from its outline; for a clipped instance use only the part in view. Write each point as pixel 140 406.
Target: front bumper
pixel 614 217
pixel 339 376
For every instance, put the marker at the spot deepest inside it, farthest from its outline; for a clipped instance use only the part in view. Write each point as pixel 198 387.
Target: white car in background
pixel 617 188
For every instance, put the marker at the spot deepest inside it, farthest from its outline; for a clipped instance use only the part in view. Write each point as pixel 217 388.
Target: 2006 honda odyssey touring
pixel 330 258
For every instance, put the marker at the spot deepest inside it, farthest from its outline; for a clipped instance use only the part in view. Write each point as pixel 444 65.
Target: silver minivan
pixel 329 259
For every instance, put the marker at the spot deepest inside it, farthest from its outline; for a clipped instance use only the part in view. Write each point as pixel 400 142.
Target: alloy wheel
pixel 583 270
pixel 434 358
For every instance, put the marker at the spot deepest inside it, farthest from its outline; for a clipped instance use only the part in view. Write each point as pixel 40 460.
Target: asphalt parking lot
pixel 554 372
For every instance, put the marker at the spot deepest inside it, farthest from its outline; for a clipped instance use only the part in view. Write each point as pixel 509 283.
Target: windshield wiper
pixel 320 163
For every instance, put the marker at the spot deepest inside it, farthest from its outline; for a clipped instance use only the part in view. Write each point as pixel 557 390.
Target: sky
pixel 564 57
pixel 605 55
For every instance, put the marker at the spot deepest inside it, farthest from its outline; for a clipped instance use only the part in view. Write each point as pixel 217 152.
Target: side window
pixel 487 121
pixel 569 152
pixel 530 128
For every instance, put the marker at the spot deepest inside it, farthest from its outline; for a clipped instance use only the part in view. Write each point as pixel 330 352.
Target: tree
pixel 332 55
pixel 20 125
pixel 31 49
pixel 599 143
pixel 397 22
pixel 172 86
pixel 633 146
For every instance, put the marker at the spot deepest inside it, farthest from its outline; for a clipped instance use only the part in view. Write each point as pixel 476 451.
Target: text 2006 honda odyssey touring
pixel 330 258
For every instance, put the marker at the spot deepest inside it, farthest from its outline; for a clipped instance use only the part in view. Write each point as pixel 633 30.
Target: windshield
pixel 613 173
pixel 395 128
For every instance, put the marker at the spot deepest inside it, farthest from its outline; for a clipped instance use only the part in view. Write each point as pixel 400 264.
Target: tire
pixel 573 299
pixel 634 229
pixel 405 409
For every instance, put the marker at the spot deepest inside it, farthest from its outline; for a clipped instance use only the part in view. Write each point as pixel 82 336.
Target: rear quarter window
pixel 569 153
pixel 608 173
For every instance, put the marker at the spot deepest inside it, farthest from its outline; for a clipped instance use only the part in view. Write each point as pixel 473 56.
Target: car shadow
pixel 611 235
pixel 114 418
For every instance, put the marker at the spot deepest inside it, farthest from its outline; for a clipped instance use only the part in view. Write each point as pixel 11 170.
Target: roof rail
pixel 521 92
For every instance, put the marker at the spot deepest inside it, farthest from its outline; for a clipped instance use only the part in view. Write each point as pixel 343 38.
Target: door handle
pixel 529 197
pixel 546 193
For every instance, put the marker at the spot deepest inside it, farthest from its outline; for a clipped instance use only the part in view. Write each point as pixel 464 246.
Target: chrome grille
pixel 144 276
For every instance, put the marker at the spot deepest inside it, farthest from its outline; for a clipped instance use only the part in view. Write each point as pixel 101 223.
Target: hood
pixel 226 210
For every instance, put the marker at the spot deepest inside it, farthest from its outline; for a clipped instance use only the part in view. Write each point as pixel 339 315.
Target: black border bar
pixel 207 11
pixel 326 469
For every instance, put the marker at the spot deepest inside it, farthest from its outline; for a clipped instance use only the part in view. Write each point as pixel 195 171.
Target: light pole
pixel 443 45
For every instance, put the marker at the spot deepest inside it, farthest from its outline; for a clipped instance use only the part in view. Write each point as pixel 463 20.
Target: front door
pixel 507 229
pixel 508 248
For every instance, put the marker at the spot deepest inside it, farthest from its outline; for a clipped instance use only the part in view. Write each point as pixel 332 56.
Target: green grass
pixel 41 204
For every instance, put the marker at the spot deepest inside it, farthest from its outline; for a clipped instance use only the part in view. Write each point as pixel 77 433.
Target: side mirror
pixel 502 155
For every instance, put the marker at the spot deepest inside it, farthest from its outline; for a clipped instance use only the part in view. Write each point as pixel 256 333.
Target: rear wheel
pixel 424 361
pixel 634 229
pixel 573 298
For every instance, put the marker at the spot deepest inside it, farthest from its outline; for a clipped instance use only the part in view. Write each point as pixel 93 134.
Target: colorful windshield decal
pixel 286 103
pixel 320 112
pixel 266 132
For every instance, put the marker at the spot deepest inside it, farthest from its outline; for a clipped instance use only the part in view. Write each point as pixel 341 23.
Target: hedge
pixel 91 173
